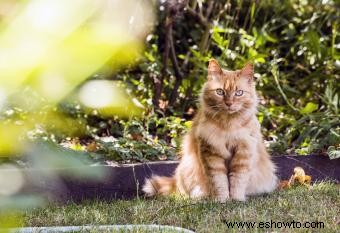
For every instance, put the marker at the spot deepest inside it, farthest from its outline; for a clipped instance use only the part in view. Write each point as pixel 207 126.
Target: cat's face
pixel 229 92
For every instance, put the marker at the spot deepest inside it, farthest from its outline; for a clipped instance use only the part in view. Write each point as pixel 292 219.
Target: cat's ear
pixel 214 69
pixel 247 72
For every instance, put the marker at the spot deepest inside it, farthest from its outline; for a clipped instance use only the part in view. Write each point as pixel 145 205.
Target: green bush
pixel 295 48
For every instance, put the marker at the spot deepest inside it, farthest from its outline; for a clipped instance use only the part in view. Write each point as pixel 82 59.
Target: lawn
pixel 318 203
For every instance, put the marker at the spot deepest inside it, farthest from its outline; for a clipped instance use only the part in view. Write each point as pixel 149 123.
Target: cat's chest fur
pixel 222 140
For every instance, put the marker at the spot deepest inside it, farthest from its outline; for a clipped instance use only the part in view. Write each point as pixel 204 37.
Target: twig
pixel 198 16
pixel 275 72
pixel 159 82
pixel 178 73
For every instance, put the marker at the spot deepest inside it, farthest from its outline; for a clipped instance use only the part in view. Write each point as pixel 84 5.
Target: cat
pixel 223 154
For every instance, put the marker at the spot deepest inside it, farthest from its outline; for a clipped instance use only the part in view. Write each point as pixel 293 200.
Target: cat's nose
pixel 228 103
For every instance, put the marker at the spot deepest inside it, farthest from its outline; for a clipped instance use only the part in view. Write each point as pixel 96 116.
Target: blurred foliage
pixel 48 50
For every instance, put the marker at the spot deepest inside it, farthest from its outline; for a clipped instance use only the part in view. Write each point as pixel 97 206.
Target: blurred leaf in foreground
pixel 51 46
pixel 48 48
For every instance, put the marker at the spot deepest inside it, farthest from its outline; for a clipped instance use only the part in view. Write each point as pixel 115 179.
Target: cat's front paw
pixel 238 197
pixel 222 198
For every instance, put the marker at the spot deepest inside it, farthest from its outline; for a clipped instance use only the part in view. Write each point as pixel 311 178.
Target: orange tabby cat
pixel 223 155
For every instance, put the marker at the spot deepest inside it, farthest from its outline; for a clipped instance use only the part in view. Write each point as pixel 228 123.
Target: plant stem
pixel 275 73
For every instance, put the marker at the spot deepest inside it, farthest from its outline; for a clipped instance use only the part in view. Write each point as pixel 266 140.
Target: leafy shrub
pixel 295 48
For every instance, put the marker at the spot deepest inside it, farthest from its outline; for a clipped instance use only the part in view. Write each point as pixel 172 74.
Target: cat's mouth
pixel 229 111
pixel 232 110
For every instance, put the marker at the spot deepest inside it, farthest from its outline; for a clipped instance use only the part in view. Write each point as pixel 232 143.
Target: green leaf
pixel 333 152
pixel 309 108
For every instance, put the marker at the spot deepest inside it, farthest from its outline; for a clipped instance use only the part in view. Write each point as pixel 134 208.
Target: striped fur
pixel 223 155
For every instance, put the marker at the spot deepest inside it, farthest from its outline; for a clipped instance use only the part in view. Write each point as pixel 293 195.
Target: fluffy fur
pixel 223 155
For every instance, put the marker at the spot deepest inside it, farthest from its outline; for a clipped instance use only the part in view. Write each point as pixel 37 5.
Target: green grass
pixel 321 202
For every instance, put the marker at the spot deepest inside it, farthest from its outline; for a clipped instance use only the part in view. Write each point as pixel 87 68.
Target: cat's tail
pixel 159 185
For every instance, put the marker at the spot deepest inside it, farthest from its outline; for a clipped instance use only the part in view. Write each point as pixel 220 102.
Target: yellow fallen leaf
pixel 299 177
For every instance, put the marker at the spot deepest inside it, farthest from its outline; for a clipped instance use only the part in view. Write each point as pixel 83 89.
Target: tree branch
pixel 198 16
pixel 178 73
pixel 159 81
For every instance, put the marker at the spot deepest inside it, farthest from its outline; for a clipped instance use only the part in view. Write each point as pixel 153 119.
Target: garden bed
pixel 125 181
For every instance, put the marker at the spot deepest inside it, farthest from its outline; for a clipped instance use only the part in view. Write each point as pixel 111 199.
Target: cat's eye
pixel 239 93
pixel 219 91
